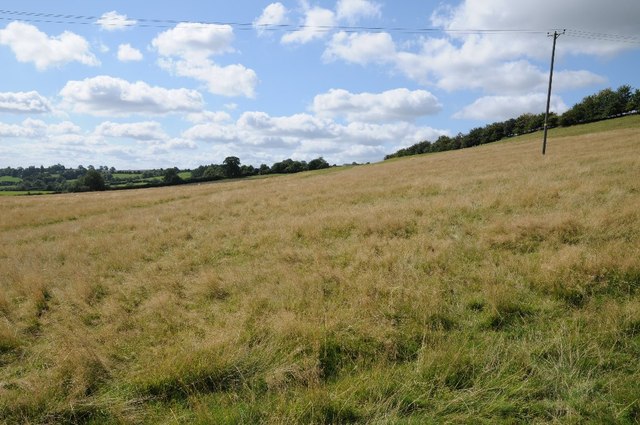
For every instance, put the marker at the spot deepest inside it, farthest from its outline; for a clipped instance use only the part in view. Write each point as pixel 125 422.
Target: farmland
pixel 485 285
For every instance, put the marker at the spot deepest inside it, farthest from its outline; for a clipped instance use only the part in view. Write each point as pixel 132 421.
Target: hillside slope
pixel 489 285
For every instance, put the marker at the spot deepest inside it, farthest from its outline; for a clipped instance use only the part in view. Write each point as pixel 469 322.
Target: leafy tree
pixel 92 180
pixel 264 169
pixel 171 176
pixel 231 165
pixel 289 166
pixel 634 101
pixel 214 172
pixel 247 170
pixel 318 164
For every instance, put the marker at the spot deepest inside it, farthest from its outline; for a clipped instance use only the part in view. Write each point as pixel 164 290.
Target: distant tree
pixel 231 166
pixel 634 101
pixel 56 169
pixel 198 172
pixel 508 126
pixel 553 120
pixel 214 172
pixel 247 170
pixel 280 167
pixel 297 167
pixel 494 132
pixel 92 181
pixel 171 176
pixel 625 94
pixel 264 169
pixel 318 164
pixel 289 166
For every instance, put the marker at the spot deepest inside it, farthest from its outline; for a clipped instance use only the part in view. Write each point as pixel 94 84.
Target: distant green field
pixel 24 192
pixel 126 176
pixel 130 184
pixel 10 179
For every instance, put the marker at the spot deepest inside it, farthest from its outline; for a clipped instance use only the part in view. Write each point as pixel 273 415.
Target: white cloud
pixel 193 44
pixel 379 134
pixel 502 108
pixel 494 61
pixel 65 127
pixel 113 21
pixel 304 136
pixel 29 44
pixel 296 126
pixel 361 48
pixel 272 16
pixel 567 80
pixel 14 130
pixel 352 10
pixel 180 144
pixel 485 63
pixel 127 53
pixel 194 41
pixel 24 103
pixel 588 15
pixel 39 136
pixel 104 95
pixel 144 131
pixel 508 77
pixel 205 117
pixel 317 23
pixel 212 132
pixel 230 80
pixel 29 128
pixel 508 63
pixel 399 104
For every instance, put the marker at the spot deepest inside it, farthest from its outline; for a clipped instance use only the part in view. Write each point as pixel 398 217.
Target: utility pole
pixel 555 35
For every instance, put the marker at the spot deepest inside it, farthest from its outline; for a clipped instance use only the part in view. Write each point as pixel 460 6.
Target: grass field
pixel 10 179
pixel 487 285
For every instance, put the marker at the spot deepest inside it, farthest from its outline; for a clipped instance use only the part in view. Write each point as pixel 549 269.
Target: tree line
pixel 58 178
pixel 231 168
pixel 605 104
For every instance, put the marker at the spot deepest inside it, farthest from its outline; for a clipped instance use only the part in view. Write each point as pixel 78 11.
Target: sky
pixel 139 85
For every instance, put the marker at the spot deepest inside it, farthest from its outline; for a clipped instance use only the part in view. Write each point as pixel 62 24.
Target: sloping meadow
pixel 484 285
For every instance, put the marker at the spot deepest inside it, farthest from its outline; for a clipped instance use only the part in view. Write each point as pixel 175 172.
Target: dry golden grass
pixel 490 284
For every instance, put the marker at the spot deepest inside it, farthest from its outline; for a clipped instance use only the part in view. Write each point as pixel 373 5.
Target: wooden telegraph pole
pixel 555 35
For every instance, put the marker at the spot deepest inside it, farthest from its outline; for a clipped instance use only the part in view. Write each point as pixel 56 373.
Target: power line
pixel 617 38
pixel 55 18
pixel 71 19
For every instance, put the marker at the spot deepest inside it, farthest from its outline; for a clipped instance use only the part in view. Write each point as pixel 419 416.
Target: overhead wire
pixel 72 19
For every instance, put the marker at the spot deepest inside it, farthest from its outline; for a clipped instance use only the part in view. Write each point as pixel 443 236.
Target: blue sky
pixel 137 85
